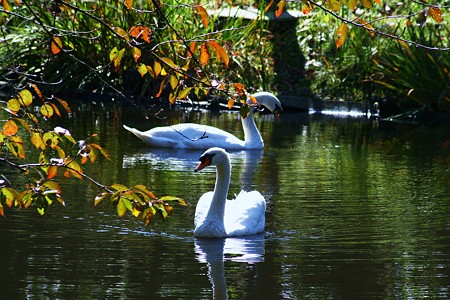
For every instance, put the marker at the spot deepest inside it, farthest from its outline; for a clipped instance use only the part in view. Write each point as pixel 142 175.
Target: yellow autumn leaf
pixel 122 33
pixel 203 14
pixel 157 68
pixel 340 35
pixel 25 97
pixel 334 5
pixel 13 105
pixel 46 110
pixel 6 5
pixel 37 141
pixel 367 3
pixel 351 4
pixel 173 81
pixel 136 52
pixel 184 93
pixel 142 69
pixel 169 62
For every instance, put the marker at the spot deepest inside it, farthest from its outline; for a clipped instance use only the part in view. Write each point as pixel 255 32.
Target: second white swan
pixel 215 216
pixel 196 136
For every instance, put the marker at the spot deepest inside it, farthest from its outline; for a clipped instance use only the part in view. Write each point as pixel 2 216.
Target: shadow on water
pixel 356 209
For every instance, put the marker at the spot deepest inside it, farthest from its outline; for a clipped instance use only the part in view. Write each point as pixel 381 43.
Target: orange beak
pixel 203 163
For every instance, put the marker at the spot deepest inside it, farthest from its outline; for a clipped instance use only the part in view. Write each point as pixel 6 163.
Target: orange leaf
pixel 38 91
pixel 141 32
pixel 340 35
pixel 240 88
pixel 377 2
pixel 52 171
pixel 192 47
pixel 435 13
pixel 204 54
pixel 6 5
pixel 367 3
pixel 56 45
pixel 306 8
pixel 280 8
pixel 220 52
pixel 367 26
pixel 10 128
pixel 128 4
pixel 203 14
pixel 230 103
pixel 253 99
pixel 64 104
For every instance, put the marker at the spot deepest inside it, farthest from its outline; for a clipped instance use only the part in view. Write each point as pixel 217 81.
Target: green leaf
pixel 25 97
pixel 119 187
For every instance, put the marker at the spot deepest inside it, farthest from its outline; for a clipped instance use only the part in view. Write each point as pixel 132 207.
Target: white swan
pixel 215 216
pixel 196 136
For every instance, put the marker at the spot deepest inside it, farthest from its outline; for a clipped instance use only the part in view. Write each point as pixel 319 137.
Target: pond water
pixel 356 209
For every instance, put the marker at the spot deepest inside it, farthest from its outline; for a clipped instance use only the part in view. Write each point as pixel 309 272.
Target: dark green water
pixel 355 210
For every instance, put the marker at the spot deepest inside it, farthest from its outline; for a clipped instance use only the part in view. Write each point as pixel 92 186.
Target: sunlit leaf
pixel 75 169
pixel 377 2
pixel 128 4
pixel 367 26
pixel 118 58
pixel 173 198
pixel 142 32
pixel 52 185
pixel 172 98
pixel 173 81
pixel 136 52
pixel 10 128
pixel 9 195
pixel 55 109
pixel 37 141
pixel 102 150
pixel 119 187
pixel 99 198
pixel 184 93
pixel 16 146
pixel 157 68
pixel 142 69
pixel 334 5
pixel 192 47
pixel 204 54
pixel 25 97
pixel 64 104
pixel 280 8
pixel 6 6
pixel 56 45
pixel 113 54
pixel 169 62
pixel 52 171
pixel 148 214
pixel 351 4
pixel 367 3
pixel 306 8
pixel 46 110
pixel 239 88
pixel 203 14
pixel 161 88
pixel 122 33
pixel 144 189
pixel 340 35
pixel 220 52
pixel 13 105
pixel 436 13
pixel 231 103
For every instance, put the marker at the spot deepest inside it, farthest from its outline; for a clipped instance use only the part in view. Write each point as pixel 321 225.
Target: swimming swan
pixel 196 136
pixel 215 216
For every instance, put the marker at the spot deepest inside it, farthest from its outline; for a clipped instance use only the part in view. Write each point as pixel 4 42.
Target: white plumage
pixel 215 216
pixel 196 136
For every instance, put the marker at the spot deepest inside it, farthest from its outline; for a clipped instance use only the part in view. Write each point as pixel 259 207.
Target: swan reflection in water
pixel 215 251
pixel 186 159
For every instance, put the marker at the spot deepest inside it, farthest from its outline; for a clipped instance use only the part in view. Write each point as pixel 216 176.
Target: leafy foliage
pixel 60 156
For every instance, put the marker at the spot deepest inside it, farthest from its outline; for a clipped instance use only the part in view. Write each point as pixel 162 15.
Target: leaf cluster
pixel 59 158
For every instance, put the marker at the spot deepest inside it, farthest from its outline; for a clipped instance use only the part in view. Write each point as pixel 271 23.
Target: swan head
pixel 214 156
pixel 270 101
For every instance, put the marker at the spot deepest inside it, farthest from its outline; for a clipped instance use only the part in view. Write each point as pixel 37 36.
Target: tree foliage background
pixel 168 51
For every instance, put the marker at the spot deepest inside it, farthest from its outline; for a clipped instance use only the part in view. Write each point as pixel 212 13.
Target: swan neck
pixel 252 136
pixel 223 174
